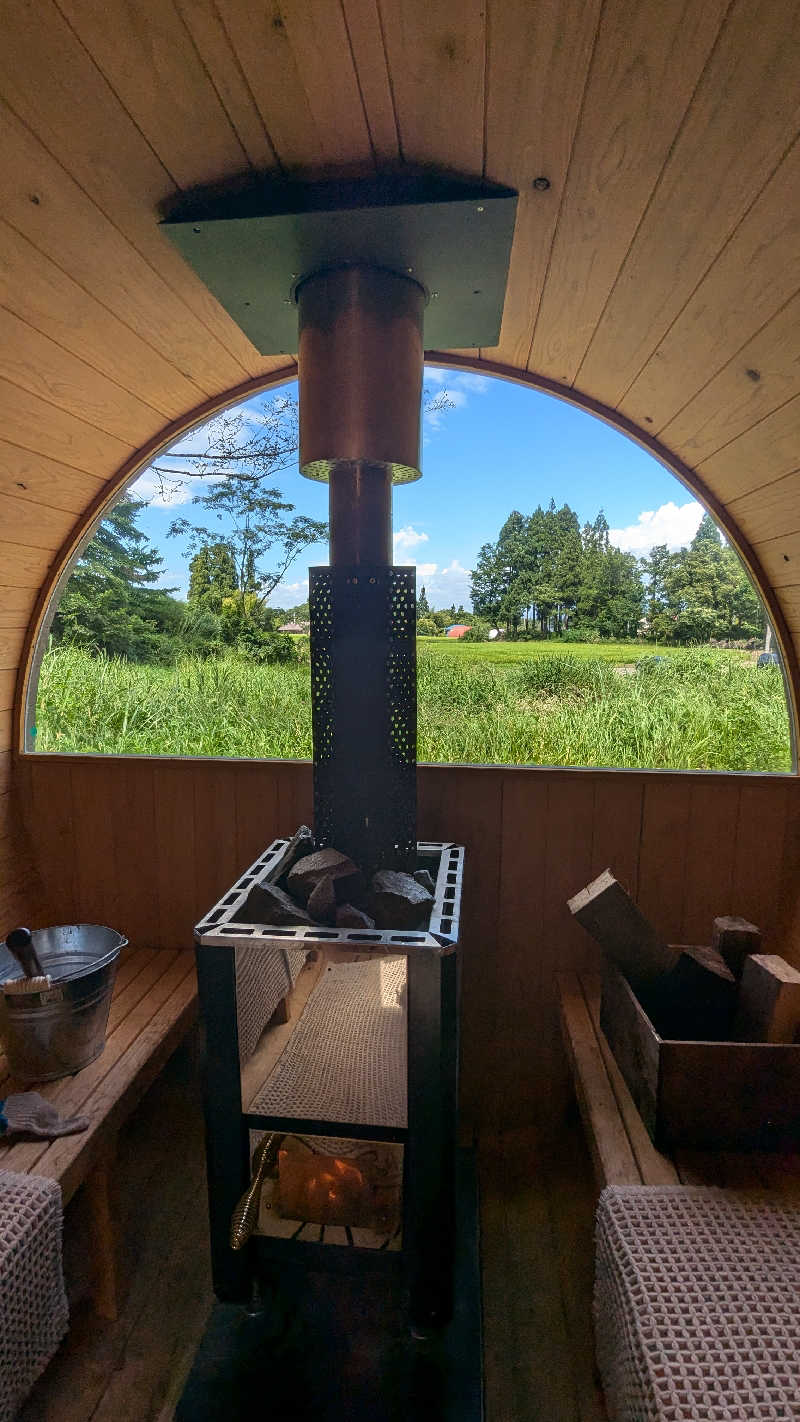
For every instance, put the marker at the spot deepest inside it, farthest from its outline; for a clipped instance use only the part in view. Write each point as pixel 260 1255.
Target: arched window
pixel 576 603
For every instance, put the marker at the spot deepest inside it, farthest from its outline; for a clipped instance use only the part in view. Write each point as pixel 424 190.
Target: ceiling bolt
pixel 541 184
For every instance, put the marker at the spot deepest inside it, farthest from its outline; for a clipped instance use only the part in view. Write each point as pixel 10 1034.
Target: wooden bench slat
pixel 612 1155
pixel 73 1095
pixel 655 1168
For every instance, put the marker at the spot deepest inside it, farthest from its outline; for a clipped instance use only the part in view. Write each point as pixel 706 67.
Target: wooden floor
pixel 536 1246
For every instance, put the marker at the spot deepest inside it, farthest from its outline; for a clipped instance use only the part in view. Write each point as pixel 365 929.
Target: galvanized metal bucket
pixel 58 1031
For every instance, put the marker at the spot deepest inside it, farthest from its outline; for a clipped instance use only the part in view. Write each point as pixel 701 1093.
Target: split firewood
pixel 769 1000
pixel 696 1002
pixel 735 938
pixel 609 914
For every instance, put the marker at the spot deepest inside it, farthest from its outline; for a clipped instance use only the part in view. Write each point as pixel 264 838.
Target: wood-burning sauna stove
pixel 373 1057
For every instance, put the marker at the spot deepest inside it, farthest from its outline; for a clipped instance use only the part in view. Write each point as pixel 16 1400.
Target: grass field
pixel 512 703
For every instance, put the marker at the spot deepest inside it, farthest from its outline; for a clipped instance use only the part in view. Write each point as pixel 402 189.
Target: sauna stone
pixel 304 875
pixel 398 901
pixel 266 903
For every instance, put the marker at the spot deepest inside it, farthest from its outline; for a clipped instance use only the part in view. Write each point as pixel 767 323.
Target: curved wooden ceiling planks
pixel 658 276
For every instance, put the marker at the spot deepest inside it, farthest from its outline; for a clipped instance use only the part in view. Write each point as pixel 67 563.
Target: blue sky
pixel 500 447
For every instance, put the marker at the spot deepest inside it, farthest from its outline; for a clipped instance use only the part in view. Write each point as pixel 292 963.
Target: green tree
pixel 213 576
pixel 110 604
pixel 423 606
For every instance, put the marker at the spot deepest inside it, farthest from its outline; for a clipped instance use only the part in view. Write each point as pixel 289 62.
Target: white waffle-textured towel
pixel 33 1302
pixel 697 1304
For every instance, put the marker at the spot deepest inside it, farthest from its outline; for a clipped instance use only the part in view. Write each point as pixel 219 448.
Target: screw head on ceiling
pixel 480 207
pixel 541 184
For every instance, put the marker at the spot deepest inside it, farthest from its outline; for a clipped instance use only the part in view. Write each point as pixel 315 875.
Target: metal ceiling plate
pixel 453 236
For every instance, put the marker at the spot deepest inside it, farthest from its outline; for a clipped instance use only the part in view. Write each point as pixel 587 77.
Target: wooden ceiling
pixel 659 275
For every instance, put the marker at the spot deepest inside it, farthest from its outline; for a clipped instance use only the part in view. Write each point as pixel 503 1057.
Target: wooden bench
pixel 621 1149
pixel 153 1006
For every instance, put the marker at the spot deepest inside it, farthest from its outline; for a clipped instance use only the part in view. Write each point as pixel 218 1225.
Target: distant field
pixel 511 653
pixel 525 703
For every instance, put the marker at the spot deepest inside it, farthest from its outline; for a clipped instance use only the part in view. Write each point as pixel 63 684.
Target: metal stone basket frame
pixel 428 1239
pixel 222 927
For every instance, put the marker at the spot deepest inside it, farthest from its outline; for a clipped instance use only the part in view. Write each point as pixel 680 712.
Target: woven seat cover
pixel 697 1304
pixel 346 1060
pixel 264 976
pixel 33 1303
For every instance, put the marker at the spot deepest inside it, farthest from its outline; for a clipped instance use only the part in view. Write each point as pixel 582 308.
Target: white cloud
pixel 444 586
pixel 162 493
pixel 457 385
pixel 673 524
pixel 407 537
pixel 289 594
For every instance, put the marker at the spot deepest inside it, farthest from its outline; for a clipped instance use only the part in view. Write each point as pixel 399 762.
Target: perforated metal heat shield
pixel 364 713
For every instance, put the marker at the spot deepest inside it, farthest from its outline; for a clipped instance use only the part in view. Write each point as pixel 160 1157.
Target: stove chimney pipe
pixel 360 376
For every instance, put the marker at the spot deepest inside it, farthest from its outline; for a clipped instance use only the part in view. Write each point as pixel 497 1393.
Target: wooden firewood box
pixel 707 1095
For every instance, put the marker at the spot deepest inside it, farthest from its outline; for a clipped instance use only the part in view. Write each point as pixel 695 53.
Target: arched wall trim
pixel 61 568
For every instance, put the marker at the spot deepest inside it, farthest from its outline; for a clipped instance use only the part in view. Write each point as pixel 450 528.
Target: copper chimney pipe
pixel 360 359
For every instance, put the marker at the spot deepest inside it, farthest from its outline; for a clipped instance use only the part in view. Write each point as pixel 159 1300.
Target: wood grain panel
pixel 780 560
pixel 774 506
pixel 146 55
pixel 764 810
pixel 436 61
pixel 8 682
pixel 179 904
pixel 718 164
pixel 537 63
pixel 38 365
pixel 57 214
pixel 45 481
pixel 761 455
pixel 82 123
pixel 756 273
pixel 320 42
pixel 211 41
pixel 258 35
pixel 662 855
pixel 42 428
pixel 466 807
pixel 37 525
pixel 37 291
pixel 642 79
pixel 23 567
pixel 10 647
pixel 711 840
pixel 365 34
pixel 763 375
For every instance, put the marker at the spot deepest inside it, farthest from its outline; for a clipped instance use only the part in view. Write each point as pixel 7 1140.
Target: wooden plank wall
pixel 148 845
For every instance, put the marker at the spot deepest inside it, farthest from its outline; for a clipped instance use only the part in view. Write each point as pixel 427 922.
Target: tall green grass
pixel 696 709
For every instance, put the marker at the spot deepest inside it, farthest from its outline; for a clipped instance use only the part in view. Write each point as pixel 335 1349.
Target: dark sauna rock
pixel 348 916
pixel 398 901
pixel 266 903
pixel 425 879
pixel 322 900
pixel 304 876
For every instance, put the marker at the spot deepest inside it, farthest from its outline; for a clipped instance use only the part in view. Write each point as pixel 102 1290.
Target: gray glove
pixel 27 1113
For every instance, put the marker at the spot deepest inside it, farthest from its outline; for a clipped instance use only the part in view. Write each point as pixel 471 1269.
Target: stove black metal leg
pixel 227 1136
pixel 429 1176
